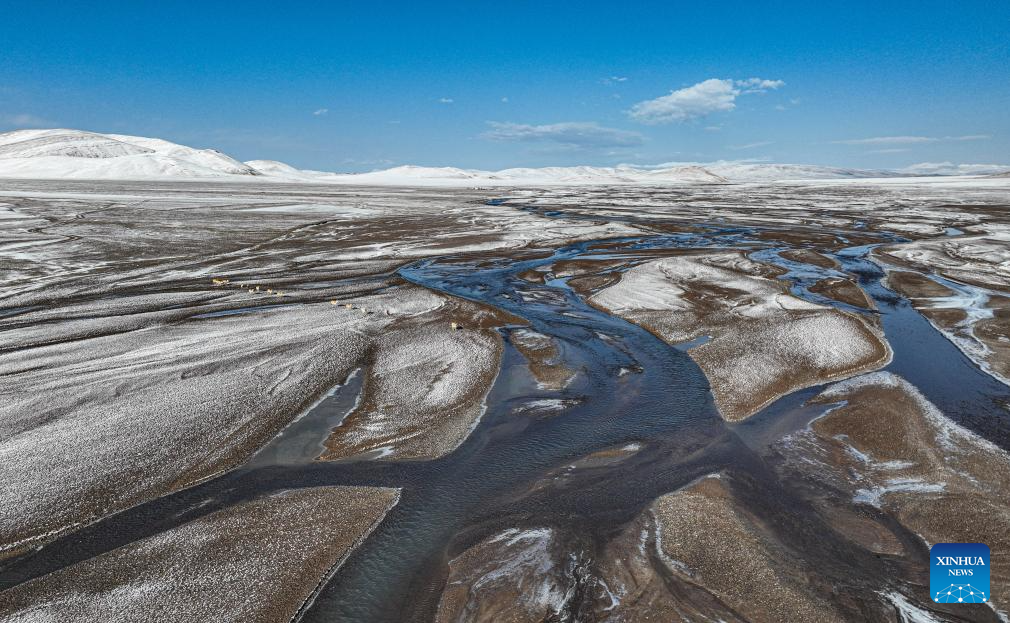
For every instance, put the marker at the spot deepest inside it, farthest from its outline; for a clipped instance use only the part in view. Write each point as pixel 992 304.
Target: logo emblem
pixel 959 573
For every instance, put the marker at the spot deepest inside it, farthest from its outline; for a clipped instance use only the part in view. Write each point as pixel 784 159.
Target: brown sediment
pixel 844 290
pixel 945 318
pixel 425 383
pixel 698 553
pixel 886 446
pixel 974 259
pixel 575 268
pixel 809 237
pixel 795 373
pixel 760 347
pixel 515 576
pixel 914 285
pixel 533 276
pixel 809 256
pixel 636 582
pixel 668 228
pixel 995 334
pixel 541 353
pixel 258 561
pixel 723 548
pixel 608 456
pixel 588 284
pixel 232 384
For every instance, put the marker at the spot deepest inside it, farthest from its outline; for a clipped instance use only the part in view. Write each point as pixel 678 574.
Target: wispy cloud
pixel 698 100
pixel 792 102
pixel 445 100
pixel 758 85
pixel 368 162
pixel 610 80
pixel 320 112
pixel 752 145
pixel 890 150
pixel 949 168
pixel 25 120
pixel 910 140
pixel 505 100
pixel 569 134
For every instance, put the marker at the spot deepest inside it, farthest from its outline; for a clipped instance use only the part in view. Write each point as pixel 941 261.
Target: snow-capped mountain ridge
pixel 767 172
pixel 70 143
pixel 77 154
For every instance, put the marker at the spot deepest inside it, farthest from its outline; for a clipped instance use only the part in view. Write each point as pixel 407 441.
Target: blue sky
pixel 359 86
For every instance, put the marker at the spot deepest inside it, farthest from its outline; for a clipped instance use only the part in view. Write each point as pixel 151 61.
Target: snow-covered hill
pixel 609 175
pixel 765 172
pixel 531 176
pixel 76 154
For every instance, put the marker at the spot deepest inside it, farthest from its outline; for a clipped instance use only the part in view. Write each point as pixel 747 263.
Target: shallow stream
pixel 630 388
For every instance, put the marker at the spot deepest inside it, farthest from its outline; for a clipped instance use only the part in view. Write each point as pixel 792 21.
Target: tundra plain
pixel 247 401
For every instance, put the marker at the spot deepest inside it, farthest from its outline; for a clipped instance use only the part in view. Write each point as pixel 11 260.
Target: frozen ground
pixel 154 335
pixel 765 342
pixel 127 356
pixel 964 288
pixel 888 447
pixel 258 561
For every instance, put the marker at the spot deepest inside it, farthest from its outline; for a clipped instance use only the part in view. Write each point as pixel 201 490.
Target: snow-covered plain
pixel 126 356
pixel 132 373
pixel 77 154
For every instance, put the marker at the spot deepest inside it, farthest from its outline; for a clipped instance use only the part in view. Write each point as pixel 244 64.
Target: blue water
pixel 496 478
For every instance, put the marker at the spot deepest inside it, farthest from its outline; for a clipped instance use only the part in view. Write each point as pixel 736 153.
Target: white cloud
pixel 688 163
pixel 908 140
pixel 752 145
pixel 758 85
pixel 613 80
pixel 886 140
pixel 949 168
pixel 890 150
pixel 321 111
pixel 699 100
pixel 504 100
pixel 445 100
pixel 569 134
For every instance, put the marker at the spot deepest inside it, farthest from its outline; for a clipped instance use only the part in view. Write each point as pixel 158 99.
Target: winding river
pixel 631 388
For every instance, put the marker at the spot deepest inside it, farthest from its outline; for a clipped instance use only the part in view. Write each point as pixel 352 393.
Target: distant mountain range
pixel 76 154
